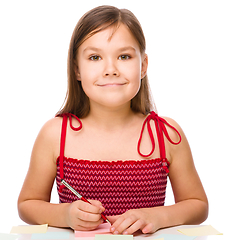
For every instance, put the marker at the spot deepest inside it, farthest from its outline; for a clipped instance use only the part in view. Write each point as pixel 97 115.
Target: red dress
pixel 118 185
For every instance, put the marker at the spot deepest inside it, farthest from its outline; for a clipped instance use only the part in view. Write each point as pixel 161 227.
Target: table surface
pixel 172 230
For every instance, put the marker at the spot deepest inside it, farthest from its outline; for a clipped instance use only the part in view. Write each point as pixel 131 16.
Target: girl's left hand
pixel 146 220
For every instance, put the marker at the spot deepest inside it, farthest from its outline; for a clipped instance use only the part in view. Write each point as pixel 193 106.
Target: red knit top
pixel 118 185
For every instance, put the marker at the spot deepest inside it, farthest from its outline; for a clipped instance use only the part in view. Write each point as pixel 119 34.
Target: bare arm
pixel 190 197
pixel 191 205
pixel 34 201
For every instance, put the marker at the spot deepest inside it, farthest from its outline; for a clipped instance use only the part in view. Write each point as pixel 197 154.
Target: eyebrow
pixel 127 48
pixel 120 49
pixel 92 49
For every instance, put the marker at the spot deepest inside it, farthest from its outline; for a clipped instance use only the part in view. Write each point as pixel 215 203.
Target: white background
pixel 186 44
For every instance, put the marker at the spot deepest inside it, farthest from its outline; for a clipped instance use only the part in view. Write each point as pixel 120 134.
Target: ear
pixel 78 76
pixel 144 66
pixel 77 72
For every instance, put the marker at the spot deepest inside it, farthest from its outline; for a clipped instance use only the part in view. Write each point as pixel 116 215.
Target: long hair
pixel 92 22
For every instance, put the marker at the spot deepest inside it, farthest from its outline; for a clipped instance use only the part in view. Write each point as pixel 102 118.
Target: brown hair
pixel 94 21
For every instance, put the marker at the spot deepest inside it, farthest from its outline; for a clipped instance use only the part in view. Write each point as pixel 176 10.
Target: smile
pixel 111 84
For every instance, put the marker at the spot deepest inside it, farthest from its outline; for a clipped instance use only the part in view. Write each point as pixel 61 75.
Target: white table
pixel 172 230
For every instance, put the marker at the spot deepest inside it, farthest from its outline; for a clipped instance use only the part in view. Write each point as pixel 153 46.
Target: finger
pixel 97 204
pixel 90 208
pixel 126 223
pixel 139 224
pixel 116 224
pixel 149 228
pixel 88 226
pixel 88 212
pixel 87 216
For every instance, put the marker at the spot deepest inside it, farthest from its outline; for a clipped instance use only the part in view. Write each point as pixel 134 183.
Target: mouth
pixel 111 84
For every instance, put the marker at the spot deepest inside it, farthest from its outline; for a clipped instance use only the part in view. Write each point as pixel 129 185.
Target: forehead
pixel 111 38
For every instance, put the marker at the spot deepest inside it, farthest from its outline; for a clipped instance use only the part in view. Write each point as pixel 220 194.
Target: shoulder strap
pixel 161 130
pixel 63 139
pixel 62 145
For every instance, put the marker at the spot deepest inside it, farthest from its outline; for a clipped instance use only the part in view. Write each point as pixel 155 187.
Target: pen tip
pixel 108 221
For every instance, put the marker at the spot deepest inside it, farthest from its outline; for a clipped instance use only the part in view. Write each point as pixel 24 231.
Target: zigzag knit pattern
pixel 118 185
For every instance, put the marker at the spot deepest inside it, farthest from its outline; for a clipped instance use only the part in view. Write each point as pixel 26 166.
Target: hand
pixel 83 216
pixel 145 219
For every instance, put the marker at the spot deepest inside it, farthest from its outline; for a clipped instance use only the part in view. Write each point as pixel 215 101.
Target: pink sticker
pixel 102 229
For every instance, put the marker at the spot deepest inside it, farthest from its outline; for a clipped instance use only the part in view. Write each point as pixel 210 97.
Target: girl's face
pixel 110 67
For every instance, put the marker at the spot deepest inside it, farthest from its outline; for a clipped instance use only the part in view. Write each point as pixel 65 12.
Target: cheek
pixel 135 83
pixel 87 85
pixel 132 69
pixel 136 86
pixel 88 77
pixel 133 74
pixel 88 71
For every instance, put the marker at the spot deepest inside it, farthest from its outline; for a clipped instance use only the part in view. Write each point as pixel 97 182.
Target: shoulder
pixel 173 129
pixel 177 151
pixel 52 127
pixel 49 136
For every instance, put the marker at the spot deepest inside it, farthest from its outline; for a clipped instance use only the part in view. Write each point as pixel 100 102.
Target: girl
pixel 108 143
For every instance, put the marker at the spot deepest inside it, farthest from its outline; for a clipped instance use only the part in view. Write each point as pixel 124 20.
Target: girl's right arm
pixel 34 201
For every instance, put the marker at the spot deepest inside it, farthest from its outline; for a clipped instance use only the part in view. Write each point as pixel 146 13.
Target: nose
pixel 111 69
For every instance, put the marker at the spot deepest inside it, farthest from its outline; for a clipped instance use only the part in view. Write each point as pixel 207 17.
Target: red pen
pixel 81 197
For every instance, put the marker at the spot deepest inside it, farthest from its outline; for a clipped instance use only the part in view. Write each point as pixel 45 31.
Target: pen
pixel 81 197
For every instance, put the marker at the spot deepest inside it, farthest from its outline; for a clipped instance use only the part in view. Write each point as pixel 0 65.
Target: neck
pixel 110 118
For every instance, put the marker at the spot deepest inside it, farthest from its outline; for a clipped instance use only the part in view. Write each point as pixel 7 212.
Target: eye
pixel 95 58
pixel 124 57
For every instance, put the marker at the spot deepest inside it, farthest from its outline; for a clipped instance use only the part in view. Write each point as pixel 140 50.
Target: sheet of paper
pixel 50 235
pixel 102 229
pixel 5 236
pixel 113 237
pixel 200 231
pixel 30 229
pixel 176 237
